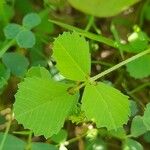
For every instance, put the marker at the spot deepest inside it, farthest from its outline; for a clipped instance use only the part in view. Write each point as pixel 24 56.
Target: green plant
pixel 22 34
pixel 79 80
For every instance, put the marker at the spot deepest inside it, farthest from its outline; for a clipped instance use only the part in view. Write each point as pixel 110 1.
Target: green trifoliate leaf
pixel 31 20
pixel 137 127
pixel 72 56
pixel 131 144
pixel 146 116
pixel 25 39
pixel 105 105
pixel 40 72
pixel 42 105
pixel 11 30
pixel 139 68
pixel 102 8
pixel 16 63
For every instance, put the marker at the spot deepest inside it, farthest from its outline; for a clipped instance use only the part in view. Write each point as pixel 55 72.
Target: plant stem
pixel 139 88
pixel 120 65
pixel 90 23
pixel 89 35
pixel 6 47
pixel 2 12
pixel 102 63
pixel 5 135
pixel 97 30
pixel 22 132
pixel 76 138
pixel 116 36
pixel 129 136
pixel 141 18
pixel 28 147
pixel 133 96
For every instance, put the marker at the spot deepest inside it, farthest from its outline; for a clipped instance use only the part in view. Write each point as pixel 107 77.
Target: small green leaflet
pixel 134 108
pixel 43 146
pixel 25 39
pixel 40 72
pixel 42 105
pixel 102 8
pixel 138 41
pixel 137 127
pixel 119 133
pixel 131 144
pixel 72 56
pixel 105 105
pixel 16 63
pixel 95 144
pixel 14 143
pixel 4 76
pixel 60 137
pixel 22 34
pixel 146 137
pixel 139 68
pixel 146 116
pixel 11 30
pixel 31 20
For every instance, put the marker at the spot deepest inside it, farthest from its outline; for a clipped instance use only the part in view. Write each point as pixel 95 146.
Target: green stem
pixel 90 23
pixel 97 30
pixel 5 135
pixel 119 78
pixel 139 88
pixel 89 35
pixel 129 136
pixel 2 12
pixel 141 18
pixel 137 100
pixel 116 36
pixel 76 138
pixel 120 65
pixel 133 96
pixel 102 63
pixel 29 145
pixel 6 47
pixel 22 132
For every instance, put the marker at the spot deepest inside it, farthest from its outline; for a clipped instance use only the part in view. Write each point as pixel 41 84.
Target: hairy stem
pixel 89 35
pixel 120 64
